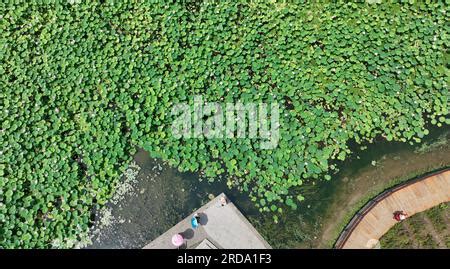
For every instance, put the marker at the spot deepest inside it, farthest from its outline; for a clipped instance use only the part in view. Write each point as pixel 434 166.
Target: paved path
pixel 221 227
pixel 376 218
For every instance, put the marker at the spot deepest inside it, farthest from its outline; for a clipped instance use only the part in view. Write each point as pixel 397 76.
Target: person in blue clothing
pixel 195 221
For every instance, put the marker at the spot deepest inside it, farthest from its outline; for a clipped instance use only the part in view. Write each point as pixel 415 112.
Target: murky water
pixel 162 196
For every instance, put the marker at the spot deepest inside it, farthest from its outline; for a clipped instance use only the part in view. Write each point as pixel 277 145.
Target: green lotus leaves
pixel 84 84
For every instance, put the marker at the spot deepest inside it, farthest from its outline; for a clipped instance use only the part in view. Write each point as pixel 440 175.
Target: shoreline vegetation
pixel 441 143
pixel 324 215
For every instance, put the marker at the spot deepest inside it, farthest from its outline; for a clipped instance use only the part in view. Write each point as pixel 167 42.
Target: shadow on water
pixel 163 196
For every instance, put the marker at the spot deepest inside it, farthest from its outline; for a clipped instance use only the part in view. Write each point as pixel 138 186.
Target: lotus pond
pixel 85 83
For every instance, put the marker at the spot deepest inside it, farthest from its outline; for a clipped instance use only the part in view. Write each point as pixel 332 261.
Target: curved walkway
pixel 376 217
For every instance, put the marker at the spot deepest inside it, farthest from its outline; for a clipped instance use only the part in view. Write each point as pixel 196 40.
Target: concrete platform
pixel 222 227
